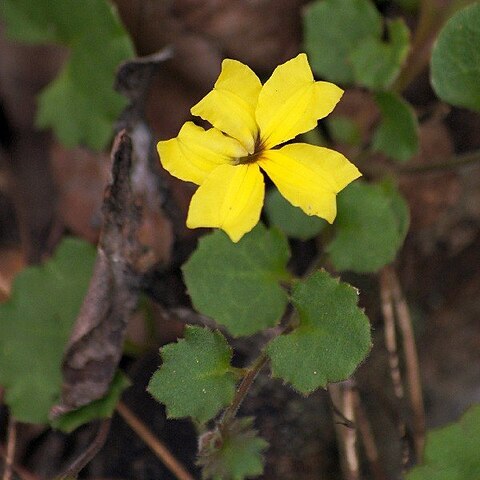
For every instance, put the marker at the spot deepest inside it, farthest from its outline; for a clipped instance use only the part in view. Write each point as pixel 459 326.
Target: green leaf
pixel 397 134
pixel 237 284
pixel 291 220
pixel 35 325
pixel 80 104
pixel 451 452
pixel 455 63
pixel 332 339
pixel 101 408
pixel 399 207
pixel 333 28
pixel 235 456
pixel 195 378
pixel 344 130
pixel 376 63
pixel 371 225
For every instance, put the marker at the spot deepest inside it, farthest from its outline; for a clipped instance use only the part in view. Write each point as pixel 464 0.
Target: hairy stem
pixel 242 391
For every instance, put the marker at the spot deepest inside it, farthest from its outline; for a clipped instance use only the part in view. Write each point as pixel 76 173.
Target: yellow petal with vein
pixel 195 152
pixel 231 198
pixel 291 102
pixel 309 177
pixel 230 106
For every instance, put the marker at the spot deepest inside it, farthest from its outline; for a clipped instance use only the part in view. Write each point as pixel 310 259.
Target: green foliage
pixel 397 134
pixel 455 63
pixel 101 408
pixel 332 339
pixel 343 39
pixel 333 28
pixel 376 63
pixel 238 284
pixel 80 104
pixel 344 130
pixel 235 455
pixel 371 225
pixel 195 378
pixel 452 452
pixel 291 220
pixel 35 325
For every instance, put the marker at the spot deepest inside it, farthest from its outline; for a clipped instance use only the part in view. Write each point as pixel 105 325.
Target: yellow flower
pixel 249 120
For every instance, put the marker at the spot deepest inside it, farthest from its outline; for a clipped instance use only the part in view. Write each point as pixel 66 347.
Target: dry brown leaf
pixel 96 343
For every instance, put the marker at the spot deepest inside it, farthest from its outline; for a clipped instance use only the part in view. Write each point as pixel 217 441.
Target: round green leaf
pixel 455 64
pixel 397 133
pixel 35 325
pixel 333 29
pixel 451 452
pixel 377 63
pixel 195 378
pixel 238 284
pixel 371 225
pixel 291 220
pixel 332 339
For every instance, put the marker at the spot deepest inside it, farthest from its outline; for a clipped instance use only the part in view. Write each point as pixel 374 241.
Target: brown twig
pixel 160 450
pixel 11 446
pixel 342 396
pixel 78 464
pixel 22 473
pixel 411 363
pixel 453 162
pixel 368 439
pixel 391 335
pixel 393 357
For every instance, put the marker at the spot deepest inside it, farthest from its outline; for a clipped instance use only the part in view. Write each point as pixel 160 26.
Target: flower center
pixel 253 157
pixel 248 159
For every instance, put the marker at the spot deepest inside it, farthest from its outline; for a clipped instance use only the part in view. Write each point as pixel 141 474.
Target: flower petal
pixel 309 177
pixel 195 152
pixel 231 198
pixel 291 102
pixel 230 106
